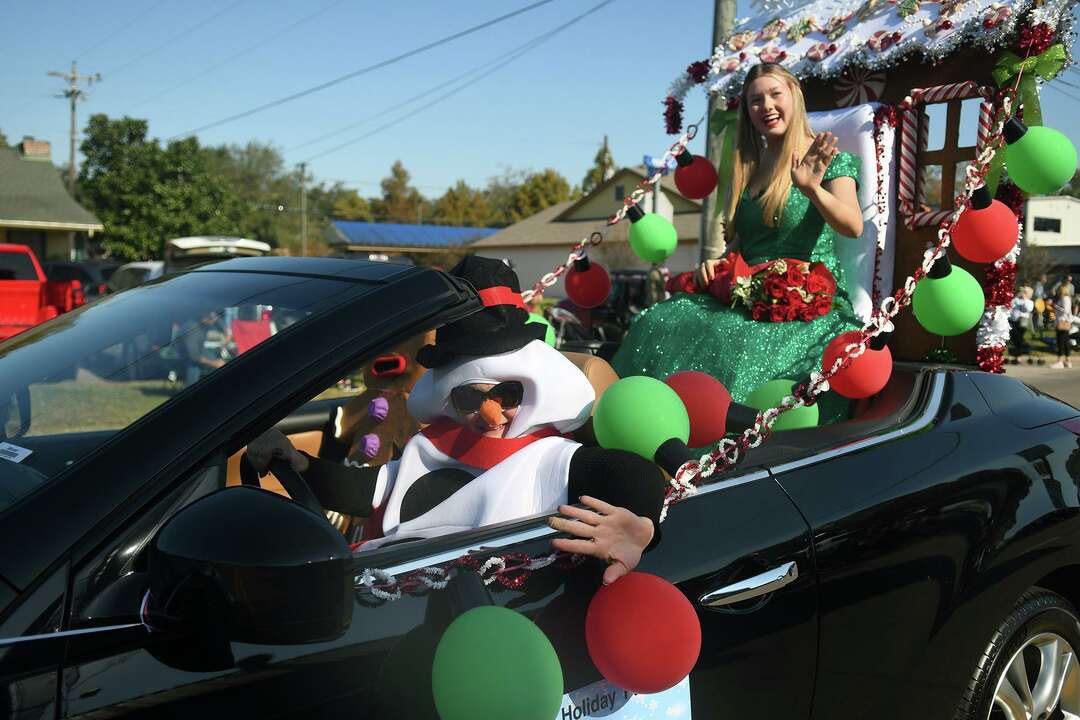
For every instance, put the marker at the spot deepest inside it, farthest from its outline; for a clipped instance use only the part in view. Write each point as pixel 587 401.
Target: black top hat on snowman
pixel 501 326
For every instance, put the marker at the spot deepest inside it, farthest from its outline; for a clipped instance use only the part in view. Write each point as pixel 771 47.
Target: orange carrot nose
pixel 491 412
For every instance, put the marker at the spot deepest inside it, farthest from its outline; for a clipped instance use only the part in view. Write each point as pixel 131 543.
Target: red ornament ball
pixel 707 402
pixel 696 180
pixel 642 633
pixel 588 288
pixel 986 235
pixel 866 375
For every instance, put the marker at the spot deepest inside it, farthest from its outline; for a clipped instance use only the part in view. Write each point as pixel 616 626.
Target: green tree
pixel 462 206
pixel 1072 189
pixel 3 140
pixel 348 205
pixel 401 202
pixel 539 191
pixel 145 194
pixel 603 168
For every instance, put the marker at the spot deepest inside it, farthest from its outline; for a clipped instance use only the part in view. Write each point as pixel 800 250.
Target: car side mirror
pixel 246 565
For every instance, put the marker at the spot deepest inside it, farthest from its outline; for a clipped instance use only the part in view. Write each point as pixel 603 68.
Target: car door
pixel 739 550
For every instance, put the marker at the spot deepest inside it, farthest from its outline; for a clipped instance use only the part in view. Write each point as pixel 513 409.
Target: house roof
pixel 32 195
pixel 398 236
pixel 667 184
pixel 825 38
pixel 545 229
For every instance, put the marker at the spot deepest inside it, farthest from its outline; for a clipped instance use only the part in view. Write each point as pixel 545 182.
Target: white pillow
pixel 854 129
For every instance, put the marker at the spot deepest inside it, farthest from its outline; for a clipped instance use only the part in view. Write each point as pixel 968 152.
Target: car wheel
pixel 1029 670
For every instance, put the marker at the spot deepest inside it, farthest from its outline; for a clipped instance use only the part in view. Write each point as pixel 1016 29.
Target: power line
pixel 363 70
pixel 176 37
pixel 122 28
pixel 513 55
pixel 1066 94
pixel 241 53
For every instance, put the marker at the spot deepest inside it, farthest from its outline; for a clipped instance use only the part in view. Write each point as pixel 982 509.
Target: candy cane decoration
pixel 913 138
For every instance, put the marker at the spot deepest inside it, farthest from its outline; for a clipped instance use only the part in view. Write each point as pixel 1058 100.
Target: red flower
pixel 774 286
pixel 683 282
pixel 820 280
pixel 794 298
pixel 791 312
pixel 807 313
pixel 759 311
pixel 795 275
pixel 823 304
pixel 778 313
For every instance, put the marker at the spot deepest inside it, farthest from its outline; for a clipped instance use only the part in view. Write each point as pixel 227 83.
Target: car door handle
pixel 767 582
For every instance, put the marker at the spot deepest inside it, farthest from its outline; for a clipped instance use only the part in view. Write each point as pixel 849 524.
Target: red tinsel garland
pixel 1000 282
pixel 698 71
pixel 1034 40
pixel 991 358
pixel 1012 196
pixel 673 118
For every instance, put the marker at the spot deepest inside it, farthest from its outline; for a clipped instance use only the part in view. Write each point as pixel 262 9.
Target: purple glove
pixel 378 409
pixel 369 445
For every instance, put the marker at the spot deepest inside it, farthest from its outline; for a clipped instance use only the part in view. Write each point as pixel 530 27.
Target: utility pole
pixel 74 94
pixel 711 228
pixel 303 210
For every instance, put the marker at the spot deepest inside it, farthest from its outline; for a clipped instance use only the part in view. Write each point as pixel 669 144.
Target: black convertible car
pixel 920 560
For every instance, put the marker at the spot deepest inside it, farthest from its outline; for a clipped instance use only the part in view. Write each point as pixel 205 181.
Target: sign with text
pixel 604 700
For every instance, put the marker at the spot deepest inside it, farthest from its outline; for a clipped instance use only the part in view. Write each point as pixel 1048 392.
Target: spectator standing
pixel 1020 321
pixel 1063 322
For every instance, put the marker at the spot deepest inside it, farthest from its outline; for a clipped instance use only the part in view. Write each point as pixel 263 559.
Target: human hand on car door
pixel 614 534
pixel 273 444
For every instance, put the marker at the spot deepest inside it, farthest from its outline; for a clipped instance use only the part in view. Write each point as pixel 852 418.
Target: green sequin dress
pixel 697 332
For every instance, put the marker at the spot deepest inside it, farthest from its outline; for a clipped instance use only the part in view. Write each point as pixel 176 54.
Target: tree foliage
pixel 539 191
pixel 603 168
pixel 3 140
pixel 145 193
pixel 463 206
pixel 400 202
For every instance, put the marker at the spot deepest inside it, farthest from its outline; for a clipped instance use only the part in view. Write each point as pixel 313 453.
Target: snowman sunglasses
pixel 467 398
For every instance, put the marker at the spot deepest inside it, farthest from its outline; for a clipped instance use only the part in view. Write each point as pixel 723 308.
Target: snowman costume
pixel 450 477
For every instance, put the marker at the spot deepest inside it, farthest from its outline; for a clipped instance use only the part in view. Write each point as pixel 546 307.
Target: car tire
pixel 1017 673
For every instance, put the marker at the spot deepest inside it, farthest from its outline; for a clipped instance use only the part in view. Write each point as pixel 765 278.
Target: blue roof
pixel 395 235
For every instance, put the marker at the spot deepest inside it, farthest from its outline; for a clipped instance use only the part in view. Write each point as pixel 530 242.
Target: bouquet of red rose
pixel 786 289
pixel 774 291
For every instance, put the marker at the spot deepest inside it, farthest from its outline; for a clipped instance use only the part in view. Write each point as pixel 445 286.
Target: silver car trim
pixel 752 587
pixel 936 393
pixel 67 633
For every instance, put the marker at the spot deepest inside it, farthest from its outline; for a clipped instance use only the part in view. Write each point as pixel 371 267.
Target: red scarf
pixel 471 448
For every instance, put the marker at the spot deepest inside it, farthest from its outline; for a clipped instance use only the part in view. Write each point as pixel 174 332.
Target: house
pixel 379 241
pixel 36 209
pixel 1053 222
pixel 538 243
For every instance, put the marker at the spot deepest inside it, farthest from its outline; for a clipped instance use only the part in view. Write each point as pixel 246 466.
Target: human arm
pixel 624 495
pixel 707 270
pixel 835 198
pixel 337 487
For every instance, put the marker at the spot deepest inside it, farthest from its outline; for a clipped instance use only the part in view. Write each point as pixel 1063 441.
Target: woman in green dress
pixel 791 195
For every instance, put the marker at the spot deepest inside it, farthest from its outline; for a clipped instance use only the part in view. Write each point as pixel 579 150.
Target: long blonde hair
pixel 750 146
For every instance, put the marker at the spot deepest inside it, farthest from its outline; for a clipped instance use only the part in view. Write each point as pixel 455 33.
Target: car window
pixel 68 386
pixel 16 266
pixel 125 278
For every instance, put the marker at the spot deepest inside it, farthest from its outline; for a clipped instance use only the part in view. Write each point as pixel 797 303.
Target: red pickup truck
pixel 27 297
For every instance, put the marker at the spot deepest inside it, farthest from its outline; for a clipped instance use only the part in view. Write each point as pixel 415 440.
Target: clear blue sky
pixel 607 74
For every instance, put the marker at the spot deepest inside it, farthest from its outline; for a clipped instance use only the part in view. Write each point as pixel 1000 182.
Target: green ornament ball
pixel 1042 161
pixel 549 336
pixel 949 306
pixel 495 663
pixel 653 238
pixel 638 414
pixel 771 394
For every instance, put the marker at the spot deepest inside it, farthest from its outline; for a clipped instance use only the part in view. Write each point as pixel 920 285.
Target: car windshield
pixel 69 385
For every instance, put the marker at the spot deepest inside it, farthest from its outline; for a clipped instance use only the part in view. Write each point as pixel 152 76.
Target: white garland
pixel 852 49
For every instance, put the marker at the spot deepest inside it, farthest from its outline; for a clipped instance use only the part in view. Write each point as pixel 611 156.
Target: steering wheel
pixel 293 482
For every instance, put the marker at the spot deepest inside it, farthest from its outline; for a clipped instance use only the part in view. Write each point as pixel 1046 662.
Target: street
pixel 1062 384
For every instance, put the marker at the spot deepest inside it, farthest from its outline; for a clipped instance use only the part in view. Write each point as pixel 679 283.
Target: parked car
pixel 919 560
pixel 135 273
pixel 93 274
pixel 27 296
pixel 183 253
